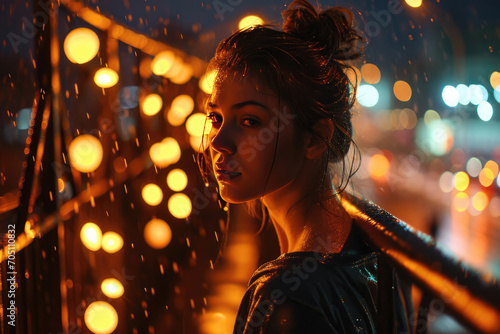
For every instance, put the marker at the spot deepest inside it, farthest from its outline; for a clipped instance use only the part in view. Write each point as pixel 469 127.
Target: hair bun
pixel 331 30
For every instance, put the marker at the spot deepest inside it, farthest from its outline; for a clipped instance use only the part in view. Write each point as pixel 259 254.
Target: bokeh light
pixel 249 21
pixel 478 93
pixel 207 81
pixel 177 179
pixel 85 153
pixel 23 119
pixel 450 96
pixel 495 79
pixel 378 166
pixel 484 111
pixel 91 236
pixel 112 288
pixel 112 242
pixel 414 3
pixel 151 104
pixel 486 177
pixel 195 125
pixel 180 108
pixel 461 181
pixel 496 94
pixel 446 182
pixel 101 318
pixel 157 233
pixel 435 138
pixel 495 206
pixel 493 166
pixel 367 95
pixel 165 153
pixel 105 77
pixel 152 194
pixel 402 90
pixel 480 201
pixel 408 118
pixel 463 94
pixel 81 45
pixel 430 116
pixel 179 205
pixel 461 201
pixel 162 62
pixel 474 167
pixel 370 73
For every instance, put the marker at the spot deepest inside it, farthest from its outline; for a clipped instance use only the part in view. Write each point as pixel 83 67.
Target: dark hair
pixel 306 64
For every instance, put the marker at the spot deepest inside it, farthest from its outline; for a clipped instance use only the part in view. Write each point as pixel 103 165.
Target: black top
pixel 309 292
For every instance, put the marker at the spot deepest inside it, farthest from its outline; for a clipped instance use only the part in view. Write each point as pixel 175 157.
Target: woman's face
pixel 251 140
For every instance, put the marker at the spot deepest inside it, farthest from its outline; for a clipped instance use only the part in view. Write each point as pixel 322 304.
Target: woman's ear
pixel 323 133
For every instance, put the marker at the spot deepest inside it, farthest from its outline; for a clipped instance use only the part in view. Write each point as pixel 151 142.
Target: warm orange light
pixel 112 288
pixel 414 3
pixel 157 233
pixel 152 194
pixel 493 167
pixel 207 81
pixel 183 75
pixel 179 205
pixel 480 201
pixel 105 77
pixel 81 45
pixel 370 73
pixel 151 104
pixel 495 79
pixel 60 185
pixel 101 318
pixel 162 62
pixel 85 153
pixel 165 153
pixel 196 125
pixel 408 118
pixel 249 21
pixel 199 143
pixel 378 166
pixel 180 108
pixel 91 236
pixel 461 201
pixel 461 181
pixel 177 179
pixel 402 90
pixel 486 177
pixel 112 242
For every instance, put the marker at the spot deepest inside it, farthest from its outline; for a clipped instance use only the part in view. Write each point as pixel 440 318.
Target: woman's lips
pixel 226 176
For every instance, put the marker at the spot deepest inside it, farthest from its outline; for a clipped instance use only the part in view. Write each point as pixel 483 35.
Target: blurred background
pixel 102 114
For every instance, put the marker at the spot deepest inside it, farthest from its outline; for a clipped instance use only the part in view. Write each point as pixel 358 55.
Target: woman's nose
pixel 225 139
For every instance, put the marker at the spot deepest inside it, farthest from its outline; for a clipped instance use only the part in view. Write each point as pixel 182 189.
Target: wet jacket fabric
pixel 310 292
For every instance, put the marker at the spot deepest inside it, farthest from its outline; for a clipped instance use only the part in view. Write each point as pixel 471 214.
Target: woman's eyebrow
pixel 249 102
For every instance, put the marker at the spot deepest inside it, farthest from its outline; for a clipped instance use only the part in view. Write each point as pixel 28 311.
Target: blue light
pixel 450 96
pixel 478 93
pixel 496 94
pixel 463 94
pixel 484 111
pixel 23 119
pixel 367 95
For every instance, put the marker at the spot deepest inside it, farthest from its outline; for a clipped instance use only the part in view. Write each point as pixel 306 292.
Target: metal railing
pixel 466 294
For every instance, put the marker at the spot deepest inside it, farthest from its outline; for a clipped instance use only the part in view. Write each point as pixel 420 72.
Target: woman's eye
pixel 250 122
pixel 214 118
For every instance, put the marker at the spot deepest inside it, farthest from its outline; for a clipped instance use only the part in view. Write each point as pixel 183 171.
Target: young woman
pixel 280 115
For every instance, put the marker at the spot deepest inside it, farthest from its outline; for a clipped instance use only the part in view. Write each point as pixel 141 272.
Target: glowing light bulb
pixel 414 3
pixel 249 21
pixel 157 233
pixel 179 205
pixel 112 242
pixel 91 236
pixel 152 104
pixel 101 318
pixel 81 45
pixel 177 179
pixel 105 77
pixel 152 194
pixel 85 153
pixel 112 288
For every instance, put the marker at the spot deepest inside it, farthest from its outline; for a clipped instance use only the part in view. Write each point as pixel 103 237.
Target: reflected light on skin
pixel 101 318
pixel 81 45
pixel 105 77
pixel 85 153
pixel 91 236
pixel 179 205
pixel 112 242
pixel 157 233
pixel 112 288
pixel 151 104
pixel 152 194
